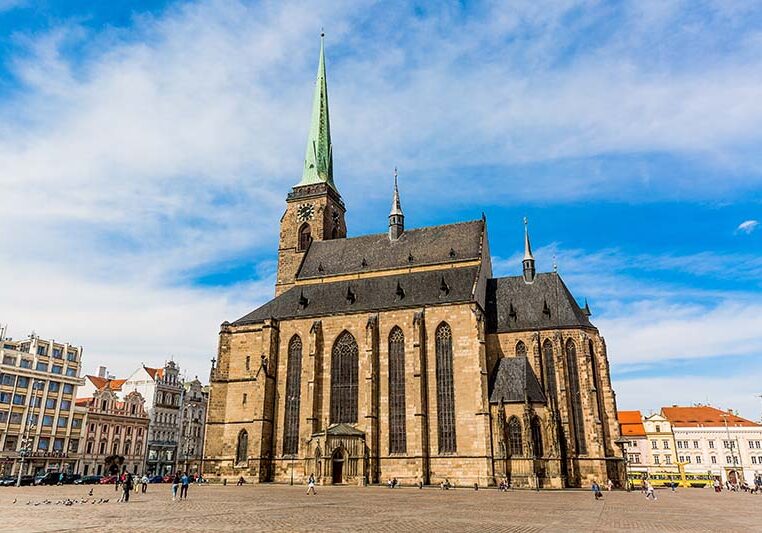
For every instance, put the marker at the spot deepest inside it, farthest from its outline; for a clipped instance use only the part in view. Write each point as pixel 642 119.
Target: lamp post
pixel 622 443
pixel 27 439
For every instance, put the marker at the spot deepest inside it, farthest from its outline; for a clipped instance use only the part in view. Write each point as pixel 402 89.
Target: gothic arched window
pixel 514 438
pixel 596 381
pixel 537 437
pixel 344 362
pixel 521 349
pixel 242 450
pixel 575 398
pixel 550 371
pixel 397 438
pixel 445 390
pixel 305 237
pixel 293 395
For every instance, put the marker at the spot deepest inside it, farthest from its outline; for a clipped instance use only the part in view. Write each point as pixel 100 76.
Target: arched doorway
pixel 337 467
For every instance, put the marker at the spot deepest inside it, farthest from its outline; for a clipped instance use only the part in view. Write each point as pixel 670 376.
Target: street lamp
pixel 622 442
pixel 27 439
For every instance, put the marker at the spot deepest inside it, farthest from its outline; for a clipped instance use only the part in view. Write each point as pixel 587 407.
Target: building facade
pixel 163 391
pixel 709 440
pixel 195 400
pixel 638 447
pixel 400 355
pixel 661 443
pixel 116 432
pixel 38 422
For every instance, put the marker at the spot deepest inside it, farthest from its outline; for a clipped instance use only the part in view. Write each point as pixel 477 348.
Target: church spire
pixel 318 160
pixel 528 261
pixel 396 218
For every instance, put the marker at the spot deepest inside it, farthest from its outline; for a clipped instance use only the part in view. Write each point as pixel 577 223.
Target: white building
pixel 661 443
pixel 637 452
pixel 709 440
pixel 195 402
pixel 163 392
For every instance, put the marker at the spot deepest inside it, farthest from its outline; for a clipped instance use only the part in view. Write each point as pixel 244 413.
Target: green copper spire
pixel 318 161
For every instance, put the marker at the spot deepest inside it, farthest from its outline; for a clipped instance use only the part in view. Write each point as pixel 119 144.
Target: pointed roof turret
pixel 396 218
pixel 528 261
pixel 318 159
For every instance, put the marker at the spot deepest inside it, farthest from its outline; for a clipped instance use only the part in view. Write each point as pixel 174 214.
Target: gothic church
pixel 400 355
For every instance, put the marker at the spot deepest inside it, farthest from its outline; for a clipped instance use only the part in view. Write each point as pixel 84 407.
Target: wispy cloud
pixel 747 226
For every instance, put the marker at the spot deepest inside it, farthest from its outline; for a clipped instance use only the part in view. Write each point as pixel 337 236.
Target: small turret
pixel 396 218
pixel 528 261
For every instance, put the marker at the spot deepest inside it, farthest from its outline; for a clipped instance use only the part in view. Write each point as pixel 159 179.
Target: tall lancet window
pixel 521 349
pixel 344 363
pixel 549 363
pixel 575 398
pixel 305 237
pixel 598 391
pixel 242 449
pixel 293 397
pixel 397 438
pixel 537 437
pixel 445 390
pixel 514 437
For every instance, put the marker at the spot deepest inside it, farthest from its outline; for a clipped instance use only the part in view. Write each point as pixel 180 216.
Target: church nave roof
pixel 431 245
pixel 415 289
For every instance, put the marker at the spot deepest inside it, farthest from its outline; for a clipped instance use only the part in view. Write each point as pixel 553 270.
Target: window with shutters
pixel 344 362
pixel 575 398
pixel 513 437
pixel 397 438
pixel 445 389
pixel 293 395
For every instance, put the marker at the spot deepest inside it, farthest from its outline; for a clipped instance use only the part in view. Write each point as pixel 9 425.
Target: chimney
pixel 101 371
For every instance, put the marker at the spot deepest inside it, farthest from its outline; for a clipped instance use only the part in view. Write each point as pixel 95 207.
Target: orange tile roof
pixel 154 372
pixel 703 416
pixel 116 384
pixel 99 382
pixel 103 383
pixel 631 423
pixel 82 402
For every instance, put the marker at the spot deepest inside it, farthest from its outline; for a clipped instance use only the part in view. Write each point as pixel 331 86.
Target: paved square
pixel 284 508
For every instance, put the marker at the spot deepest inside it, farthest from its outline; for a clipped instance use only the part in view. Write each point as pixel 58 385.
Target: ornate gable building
pixel 400 355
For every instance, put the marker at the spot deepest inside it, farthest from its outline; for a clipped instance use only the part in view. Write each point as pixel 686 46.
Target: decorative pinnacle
pixel 396 205
pixel 527 245
pixel 555 264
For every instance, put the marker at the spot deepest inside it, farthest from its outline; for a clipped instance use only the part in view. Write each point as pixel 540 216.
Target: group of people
pixel 596 488
pixel 127 482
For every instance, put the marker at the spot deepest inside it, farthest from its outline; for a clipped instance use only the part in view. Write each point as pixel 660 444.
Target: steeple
pixel 528 261
pixel 396 218
pixel 318 159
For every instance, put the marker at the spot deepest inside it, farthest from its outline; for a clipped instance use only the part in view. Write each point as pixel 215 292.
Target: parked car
pixel 156 479
pixel 168 478
pixel 105 480
pixel 88 480
pixel 7 481
pixel 27 480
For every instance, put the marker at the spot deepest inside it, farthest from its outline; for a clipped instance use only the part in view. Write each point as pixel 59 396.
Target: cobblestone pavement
pixel 284 508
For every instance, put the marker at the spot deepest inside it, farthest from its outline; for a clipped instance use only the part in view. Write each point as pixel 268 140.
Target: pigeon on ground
pixel 90 493
pixel 14 500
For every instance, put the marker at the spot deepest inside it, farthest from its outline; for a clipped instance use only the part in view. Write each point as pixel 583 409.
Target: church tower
pixel 314 208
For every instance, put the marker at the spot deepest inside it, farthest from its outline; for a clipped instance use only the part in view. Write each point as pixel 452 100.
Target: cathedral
pixel 399 355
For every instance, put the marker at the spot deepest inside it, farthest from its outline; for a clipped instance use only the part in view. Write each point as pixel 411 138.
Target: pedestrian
pixel 650 491
pixel 609 485
pixel 144 484
pixel 311 485
pixel 596 490
pixel 126 488
pixel 175 485
pixel 184 484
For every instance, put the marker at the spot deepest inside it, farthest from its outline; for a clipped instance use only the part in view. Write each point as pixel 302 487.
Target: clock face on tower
pixel 304 212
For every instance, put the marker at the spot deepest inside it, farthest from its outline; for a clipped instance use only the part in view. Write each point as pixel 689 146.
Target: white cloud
pixel 651 394
pixel 747 226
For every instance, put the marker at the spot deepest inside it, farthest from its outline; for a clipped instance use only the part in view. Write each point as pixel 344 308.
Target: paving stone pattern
pixel 284 508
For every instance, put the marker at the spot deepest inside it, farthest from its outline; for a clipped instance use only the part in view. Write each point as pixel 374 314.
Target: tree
pixel 113 464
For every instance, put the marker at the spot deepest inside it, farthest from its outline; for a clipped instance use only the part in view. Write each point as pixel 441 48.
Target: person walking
pixel 126 488
pixel 144 482
pixel 175 485
pixel 184 484
pixel 311 485
pixel 596 490
pixel 650 491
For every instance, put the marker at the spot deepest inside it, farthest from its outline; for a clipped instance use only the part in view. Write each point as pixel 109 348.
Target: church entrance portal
pixel 337 468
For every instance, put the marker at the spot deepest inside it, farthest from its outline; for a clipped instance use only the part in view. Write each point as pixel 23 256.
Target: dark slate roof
pixel 369 294
pixel 513 305
pixel 427 246
pixel 512 377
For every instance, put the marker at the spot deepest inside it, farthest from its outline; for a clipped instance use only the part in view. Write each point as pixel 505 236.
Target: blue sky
pixel 146 149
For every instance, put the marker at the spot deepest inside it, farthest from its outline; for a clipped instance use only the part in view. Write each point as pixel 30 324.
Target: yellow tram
pixel 661 478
